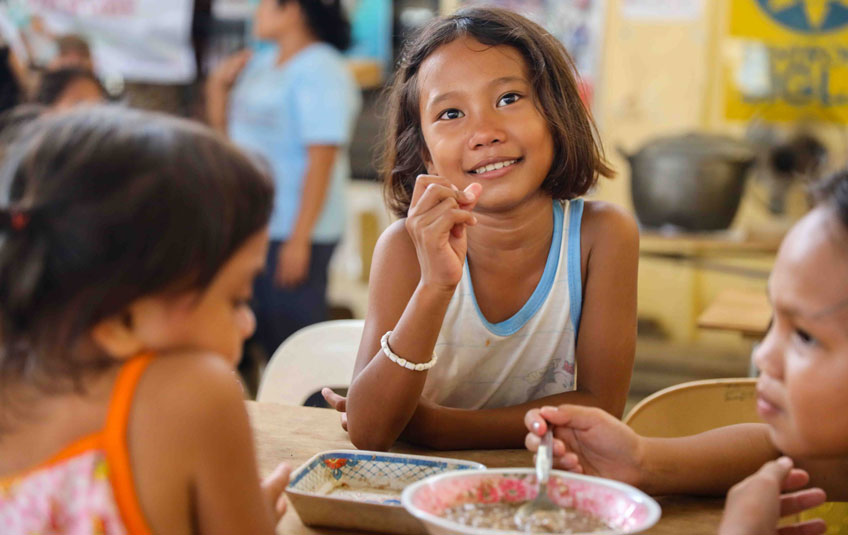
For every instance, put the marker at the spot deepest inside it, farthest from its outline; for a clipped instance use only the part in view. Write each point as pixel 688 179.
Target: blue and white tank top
pixel 486 365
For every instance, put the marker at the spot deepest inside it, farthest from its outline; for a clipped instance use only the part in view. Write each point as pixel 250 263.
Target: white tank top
pixel 528 356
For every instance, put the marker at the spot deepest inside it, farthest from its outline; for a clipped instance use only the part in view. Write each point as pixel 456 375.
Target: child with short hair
pixel 801 396
pixel 129 245
pixel 498 267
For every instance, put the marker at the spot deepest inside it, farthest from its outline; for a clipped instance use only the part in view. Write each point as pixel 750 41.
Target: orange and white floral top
pixel 85 489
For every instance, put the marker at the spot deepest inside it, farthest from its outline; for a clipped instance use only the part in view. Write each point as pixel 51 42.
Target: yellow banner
pixel 786 60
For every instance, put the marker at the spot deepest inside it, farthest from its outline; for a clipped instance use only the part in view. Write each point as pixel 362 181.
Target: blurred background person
pixel 294 104
pixel 13 77
pixel 73 51
pixel 66 87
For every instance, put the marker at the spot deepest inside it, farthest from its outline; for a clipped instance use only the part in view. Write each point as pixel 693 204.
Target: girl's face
pixel 217 320
pixel 481 122
pixel 271 20
pixel 802 392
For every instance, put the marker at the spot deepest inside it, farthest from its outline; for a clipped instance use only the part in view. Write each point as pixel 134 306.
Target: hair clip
pixel 15 220
pixel 19 220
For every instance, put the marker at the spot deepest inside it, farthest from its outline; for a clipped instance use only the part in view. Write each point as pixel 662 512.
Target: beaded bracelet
pixel 400 361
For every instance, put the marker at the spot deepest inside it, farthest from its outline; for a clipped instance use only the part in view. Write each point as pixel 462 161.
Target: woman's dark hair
pixel 110 205
pixel 54 83
pixel 327 20
pixel 578 157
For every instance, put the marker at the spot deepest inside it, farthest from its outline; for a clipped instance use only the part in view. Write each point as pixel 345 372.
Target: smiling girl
pixel 497 267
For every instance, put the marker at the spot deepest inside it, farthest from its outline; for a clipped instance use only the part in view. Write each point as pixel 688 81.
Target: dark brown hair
pixel 328 21
pixel 578 157
pixel 102 206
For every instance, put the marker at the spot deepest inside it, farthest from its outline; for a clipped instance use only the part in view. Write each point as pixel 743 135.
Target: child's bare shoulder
pixel 395 251
pixel 608 223
pixel 186 391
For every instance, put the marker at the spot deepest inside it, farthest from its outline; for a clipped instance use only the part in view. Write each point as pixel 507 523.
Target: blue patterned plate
pixel 354 489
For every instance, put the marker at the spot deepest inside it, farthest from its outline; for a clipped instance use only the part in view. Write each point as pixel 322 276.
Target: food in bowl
pixel 438 501
pixel 567 520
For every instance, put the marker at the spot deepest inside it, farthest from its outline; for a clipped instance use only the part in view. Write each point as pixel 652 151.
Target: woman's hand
pixel 438 215
pixel 227 72
pixel 293 263
pixel 218 87
pixel 273 488
pixel 588 440
pixel 755 505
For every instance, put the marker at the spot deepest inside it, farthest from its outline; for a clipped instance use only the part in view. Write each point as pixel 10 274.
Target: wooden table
pixel 745 311
pixel 294 434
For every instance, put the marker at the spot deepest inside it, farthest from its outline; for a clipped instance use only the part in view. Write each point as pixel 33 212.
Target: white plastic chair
pixel 314 357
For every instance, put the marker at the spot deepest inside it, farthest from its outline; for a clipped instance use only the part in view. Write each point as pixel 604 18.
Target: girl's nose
pixel 246 323
pixel 486 131
pixel 768 354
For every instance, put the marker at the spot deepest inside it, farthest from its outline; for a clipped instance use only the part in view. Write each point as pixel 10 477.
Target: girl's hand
pixel 273 487
pixel 337 402
pixel 588 440
pixel 755 505
pixel 438 215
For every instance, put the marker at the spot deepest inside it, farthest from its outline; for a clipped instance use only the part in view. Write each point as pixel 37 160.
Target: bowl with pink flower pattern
pixel 484 502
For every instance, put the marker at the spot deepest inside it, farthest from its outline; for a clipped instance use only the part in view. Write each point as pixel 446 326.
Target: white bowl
pixel 624 508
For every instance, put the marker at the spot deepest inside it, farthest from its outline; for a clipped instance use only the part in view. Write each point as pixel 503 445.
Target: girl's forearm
pixel 445 428
pixel 383 396
pixel 708 463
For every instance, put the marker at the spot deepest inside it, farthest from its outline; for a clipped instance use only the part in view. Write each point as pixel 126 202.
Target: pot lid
pixel 698 145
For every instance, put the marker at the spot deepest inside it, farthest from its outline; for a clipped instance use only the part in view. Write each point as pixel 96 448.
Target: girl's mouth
pixel 492 168
pixel 765 407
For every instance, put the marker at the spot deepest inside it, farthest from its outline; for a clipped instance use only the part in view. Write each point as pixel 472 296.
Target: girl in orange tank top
pixel 128 246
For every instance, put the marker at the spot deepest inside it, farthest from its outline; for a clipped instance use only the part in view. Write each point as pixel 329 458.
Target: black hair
pixel 54 83
pixel 10 89
pixel 327 20
pixel 110 205
pixel 15 119
pixel 833 190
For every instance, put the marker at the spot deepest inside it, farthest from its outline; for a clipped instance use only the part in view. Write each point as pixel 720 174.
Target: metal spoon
pixel 544 463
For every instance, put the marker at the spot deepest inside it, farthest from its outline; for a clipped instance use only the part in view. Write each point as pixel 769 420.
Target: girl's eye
pixel 450 114
pixel 804 337
pixel 242 302
pixel 509 98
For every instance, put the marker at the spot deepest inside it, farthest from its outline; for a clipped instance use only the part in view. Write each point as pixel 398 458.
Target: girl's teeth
pixel 494 166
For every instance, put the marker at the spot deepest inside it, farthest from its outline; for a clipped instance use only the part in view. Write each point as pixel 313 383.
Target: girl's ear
pixel 115 336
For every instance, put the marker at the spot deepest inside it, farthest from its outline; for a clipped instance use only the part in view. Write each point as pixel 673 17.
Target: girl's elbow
pixel 366 437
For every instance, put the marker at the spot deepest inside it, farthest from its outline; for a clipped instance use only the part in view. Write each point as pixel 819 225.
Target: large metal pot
pixel 693 181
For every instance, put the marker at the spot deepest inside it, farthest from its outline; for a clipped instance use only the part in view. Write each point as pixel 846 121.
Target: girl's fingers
pixel 535 423
pixel 573 416
pixel 809 527
pixel 336 401
pixel 422 182
pixel 443 217
pixel 274 485
pixel 801 500
pixel 776 471
pixel 429 185
pixel 796 479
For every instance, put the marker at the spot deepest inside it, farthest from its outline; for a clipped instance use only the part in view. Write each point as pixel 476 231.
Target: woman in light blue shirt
pixel 294 104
